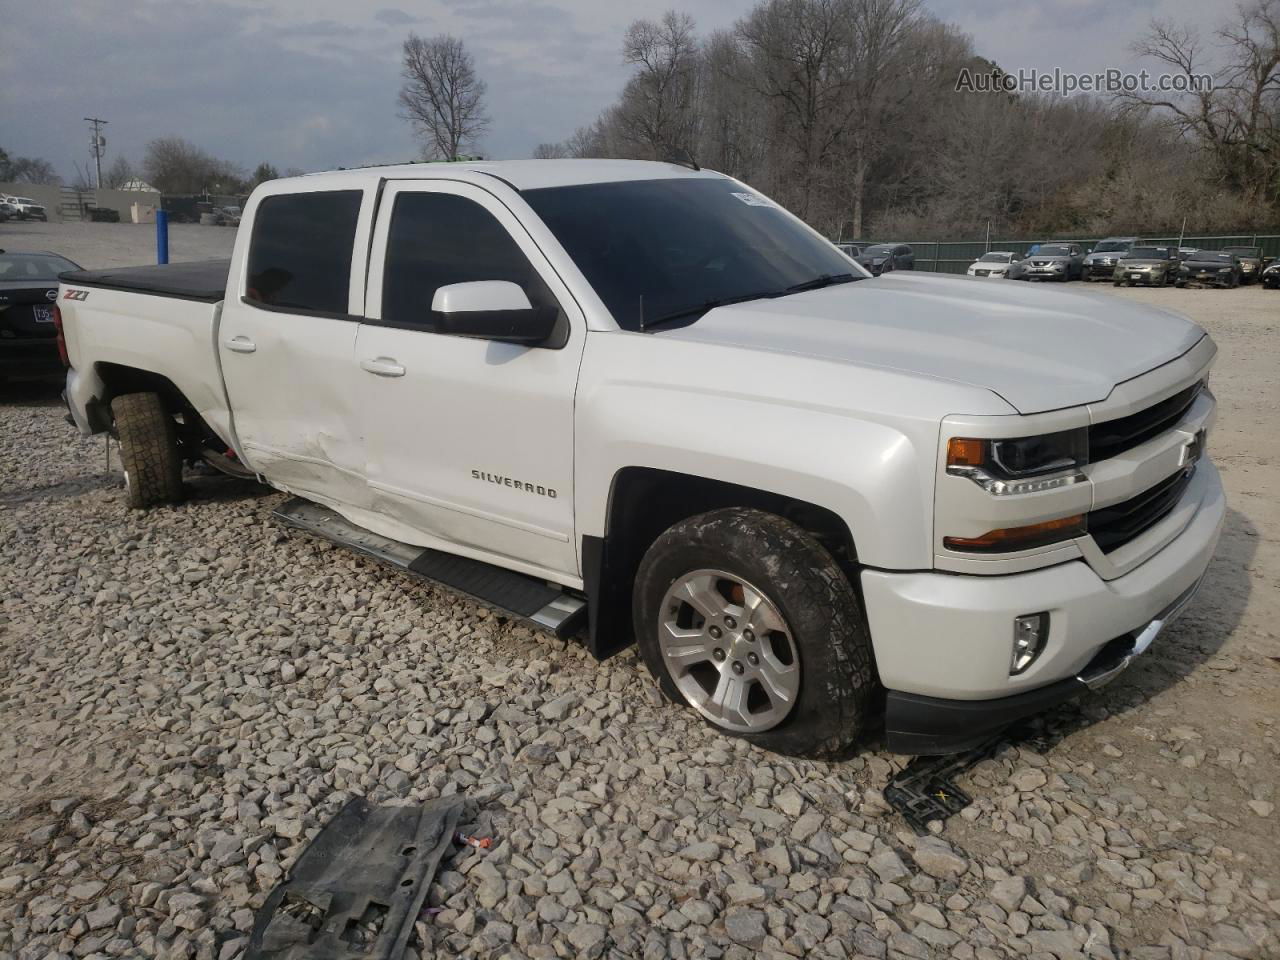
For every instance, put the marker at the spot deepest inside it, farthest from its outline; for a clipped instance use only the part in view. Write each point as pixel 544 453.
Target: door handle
pixel 241 345
pixel 382 367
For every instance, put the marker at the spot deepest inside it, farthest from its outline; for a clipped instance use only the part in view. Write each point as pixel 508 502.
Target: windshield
pixel 27 266
pixel 1243 251
pixel 1112 246
pixel 879 250
pixel 994 258
pixel 1148 253
pixel 1054 250
pixel 674 246
pixel 1210 256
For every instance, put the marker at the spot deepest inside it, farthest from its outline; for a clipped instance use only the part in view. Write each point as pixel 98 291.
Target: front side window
pixel 300 253
pixel 659 249
pixel 437 239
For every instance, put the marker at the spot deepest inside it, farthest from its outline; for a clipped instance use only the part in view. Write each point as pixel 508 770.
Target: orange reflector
pixel 1009 539
pixel 963 452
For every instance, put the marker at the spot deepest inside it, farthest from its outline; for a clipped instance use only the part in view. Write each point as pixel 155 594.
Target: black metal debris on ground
pixel 356 891
pixel 925 789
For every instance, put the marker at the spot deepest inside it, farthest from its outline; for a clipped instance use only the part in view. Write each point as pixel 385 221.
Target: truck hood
pixel 1038 349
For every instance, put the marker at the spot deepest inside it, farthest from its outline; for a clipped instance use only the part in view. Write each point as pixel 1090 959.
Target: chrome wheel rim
pixel 729 651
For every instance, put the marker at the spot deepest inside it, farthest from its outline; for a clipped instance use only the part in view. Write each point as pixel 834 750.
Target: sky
pixel 313 83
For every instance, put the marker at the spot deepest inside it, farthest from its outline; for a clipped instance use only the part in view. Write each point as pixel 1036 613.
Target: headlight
pixel 1224 269
pixel 1022 465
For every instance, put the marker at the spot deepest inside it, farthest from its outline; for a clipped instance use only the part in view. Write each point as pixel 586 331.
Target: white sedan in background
pixel 999 264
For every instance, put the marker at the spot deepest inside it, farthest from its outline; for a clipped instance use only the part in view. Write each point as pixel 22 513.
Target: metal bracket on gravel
pixel 925 788
pixel 356 891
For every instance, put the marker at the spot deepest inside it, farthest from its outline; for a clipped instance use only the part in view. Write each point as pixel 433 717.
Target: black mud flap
pixel 356 891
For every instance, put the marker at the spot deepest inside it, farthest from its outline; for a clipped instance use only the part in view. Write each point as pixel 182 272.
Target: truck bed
pixel 204 280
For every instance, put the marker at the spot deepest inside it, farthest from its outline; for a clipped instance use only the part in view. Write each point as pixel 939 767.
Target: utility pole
pixel 99 143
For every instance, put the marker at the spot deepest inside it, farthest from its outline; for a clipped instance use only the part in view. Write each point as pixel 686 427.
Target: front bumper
pixel 1095 270
pixel 943 642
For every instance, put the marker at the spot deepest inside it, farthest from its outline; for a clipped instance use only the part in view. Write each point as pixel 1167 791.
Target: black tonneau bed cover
pixel 204 280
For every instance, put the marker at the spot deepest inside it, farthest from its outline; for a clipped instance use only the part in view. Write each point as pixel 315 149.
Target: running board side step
pixel 542 604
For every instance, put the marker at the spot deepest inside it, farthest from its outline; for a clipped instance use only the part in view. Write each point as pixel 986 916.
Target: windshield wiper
pixel 817 283
pixel 701 308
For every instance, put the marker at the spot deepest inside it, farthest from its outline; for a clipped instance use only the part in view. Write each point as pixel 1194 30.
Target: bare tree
pixel 174 165
pixel 26 170
pixel 658 109
pixel 118 174
pixel 442 96
pixel 550 151
pixel 1236 117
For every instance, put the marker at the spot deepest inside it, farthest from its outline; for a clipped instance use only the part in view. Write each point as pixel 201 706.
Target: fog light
pixel 1029 634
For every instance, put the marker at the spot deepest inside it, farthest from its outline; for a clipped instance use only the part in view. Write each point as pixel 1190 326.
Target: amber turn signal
pixel 1008 539
pixel 965 452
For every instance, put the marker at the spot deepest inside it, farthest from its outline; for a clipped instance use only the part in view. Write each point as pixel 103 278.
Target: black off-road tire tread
pixel 148 439
pixel 820 587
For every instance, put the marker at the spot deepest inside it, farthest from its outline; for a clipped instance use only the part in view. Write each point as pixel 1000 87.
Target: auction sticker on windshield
pixel 753 200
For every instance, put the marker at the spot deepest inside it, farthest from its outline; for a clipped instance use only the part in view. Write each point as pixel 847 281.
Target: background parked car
pixel 28 209
pixel 1149 266
pixel 851 249
pixel 1100 262
pixel 8 211
pixel 994 264
pixel 1211 267
pixel 1271 276
pixel 1056 261
pixel 1184 252
pixel 28 293
pixel 1250 262
pixel 883 257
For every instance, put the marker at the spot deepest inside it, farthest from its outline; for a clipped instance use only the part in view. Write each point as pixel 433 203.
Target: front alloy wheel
pixel 749 620
pixel 728 651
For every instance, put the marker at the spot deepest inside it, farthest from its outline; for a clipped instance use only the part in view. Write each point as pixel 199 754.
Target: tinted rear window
pixel 300 257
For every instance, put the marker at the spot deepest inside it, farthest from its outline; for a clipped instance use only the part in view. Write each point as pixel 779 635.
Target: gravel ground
pixel 190 693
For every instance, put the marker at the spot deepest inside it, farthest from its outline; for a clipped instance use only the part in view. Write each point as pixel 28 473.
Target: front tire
pixel 749 620
pixel 148 450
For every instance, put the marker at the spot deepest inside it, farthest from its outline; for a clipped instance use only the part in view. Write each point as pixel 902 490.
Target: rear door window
pixel 300 254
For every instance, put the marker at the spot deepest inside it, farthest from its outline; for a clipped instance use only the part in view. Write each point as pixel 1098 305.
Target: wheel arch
pixel 642 503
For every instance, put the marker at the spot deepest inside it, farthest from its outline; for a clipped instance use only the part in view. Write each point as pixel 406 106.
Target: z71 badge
pixel 76 295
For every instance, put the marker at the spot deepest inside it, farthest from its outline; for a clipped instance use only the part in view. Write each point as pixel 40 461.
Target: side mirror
pixel 490 310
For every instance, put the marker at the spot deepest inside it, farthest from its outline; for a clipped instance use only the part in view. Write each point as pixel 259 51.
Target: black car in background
pixel 28 295
pixel 1210 267
pixel 882 257
pixel 1250 262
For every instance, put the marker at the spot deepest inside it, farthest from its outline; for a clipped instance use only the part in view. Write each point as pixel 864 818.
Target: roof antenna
pixel 685 159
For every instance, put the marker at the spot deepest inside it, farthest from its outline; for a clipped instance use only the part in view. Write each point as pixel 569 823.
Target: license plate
pixel 1204 276
pixel 43 314
pixel 1135 276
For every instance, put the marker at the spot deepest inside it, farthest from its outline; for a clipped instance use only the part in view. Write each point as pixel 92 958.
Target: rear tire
pixel 148 450
pixel 772 644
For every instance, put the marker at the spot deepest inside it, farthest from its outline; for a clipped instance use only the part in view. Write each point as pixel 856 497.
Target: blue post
pixel 162 237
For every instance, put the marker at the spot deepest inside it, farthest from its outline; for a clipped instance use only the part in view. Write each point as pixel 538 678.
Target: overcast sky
pixel 313 83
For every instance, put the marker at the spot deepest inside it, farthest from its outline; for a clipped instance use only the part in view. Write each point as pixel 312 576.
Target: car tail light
pixel 62 340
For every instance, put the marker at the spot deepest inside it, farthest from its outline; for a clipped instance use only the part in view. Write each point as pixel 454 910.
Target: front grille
pixel 1114 526
pixel 1112 437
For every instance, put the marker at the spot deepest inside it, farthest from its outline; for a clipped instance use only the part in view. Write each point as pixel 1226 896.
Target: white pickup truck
pixel 641 402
